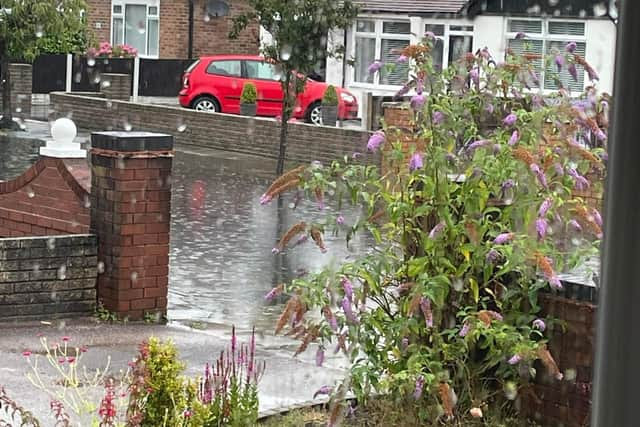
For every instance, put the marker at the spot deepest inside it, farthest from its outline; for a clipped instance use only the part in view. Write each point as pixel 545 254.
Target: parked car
pixel 214 84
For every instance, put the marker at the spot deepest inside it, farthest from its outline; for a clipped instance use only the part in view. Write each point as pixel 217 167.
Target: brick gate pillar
pixel 130 214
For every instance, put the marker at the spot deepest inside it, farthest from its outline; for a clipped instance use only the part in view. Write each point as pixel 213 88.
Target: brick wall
pixel 20 76
pixel 255 136
pixel 568 402
pixel 118 86
pixel 99 14
pixel 50 198
pixel 47 277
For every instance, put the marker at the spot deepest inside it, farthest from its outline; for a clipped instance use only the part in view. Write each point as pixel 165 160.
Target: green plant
pixel 469 221
pixel 102 314
pixel 249 94
pixel 330 96
pixel 16 413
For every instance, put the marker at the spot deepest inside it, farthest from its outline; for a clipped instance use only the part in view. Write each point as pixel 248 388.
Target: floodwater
pixel 221 241
pixel 221 264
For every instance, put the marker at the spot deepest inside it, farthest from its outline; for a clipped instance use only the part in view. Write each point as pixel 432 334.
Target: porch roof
pixel 413 7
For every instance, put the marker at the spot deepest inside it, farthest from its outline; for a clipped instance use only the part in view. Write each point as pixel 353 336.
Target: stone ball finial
pixel 64 131
pixel 62 145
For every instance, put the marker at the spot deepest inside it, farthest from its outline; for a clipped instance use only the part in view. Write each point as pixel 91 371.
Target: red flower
pixel 66 339
pixel 26 353
pixel 71 359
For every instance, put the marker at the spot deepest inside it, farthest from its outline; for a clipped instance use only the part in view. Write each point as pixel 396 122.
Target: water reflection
pixel 221 241
pixel 17 155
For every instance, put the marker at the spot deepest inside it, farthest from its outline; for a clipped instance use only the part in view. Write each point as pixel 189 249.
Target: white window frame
pixel 378 35
pixel 448 33
pixel 156 18
pixel 545 37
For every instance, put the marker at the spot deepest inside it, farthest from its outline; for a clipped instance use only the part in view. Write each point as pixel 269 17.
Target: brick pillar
pixel 21 76
pixel 131 213
pixel 116 86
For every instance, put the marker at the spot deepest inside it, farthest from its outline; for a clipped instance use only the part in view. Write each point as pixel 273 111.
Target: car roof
pixel 237 57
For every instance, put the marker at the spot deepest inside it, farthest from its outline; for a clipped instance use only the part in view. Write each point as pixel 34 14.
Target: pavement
pixel 288 381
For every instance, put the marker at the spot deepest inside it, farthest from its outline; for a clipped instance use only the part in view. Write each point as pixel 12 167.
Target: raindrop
pixel 100 267
pixel 97 78
pixel 78 77
pixel 87 202
pixel 120 163
pixel 599 9
pixel 36 267
pixel 583 13
pixel 91 62
pixel 292 205
pixel 182 127
pixel 39 32
pixel 127 126
pixel 285 52
pixel 30 192
pixel 106 84
pixel 51 243
pixel 510 391
pixel 18 110
pixel 553 2
pixel 534 10
pixel 457 284
pixel 570 374
pixel 207 18
pixel 219 222
pixel 109 104
pixel 62 272
pixel 134 276
pixel 62 324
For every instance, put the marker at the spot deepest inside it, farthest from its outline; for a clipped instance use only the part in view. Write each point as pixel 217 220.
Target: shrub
pixel 249 94
pixel 468 226
pixel 106 50
pixel 330 96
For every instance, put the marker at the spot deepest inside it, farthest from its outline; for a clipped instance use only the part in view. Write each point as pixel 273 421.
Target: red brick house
pixel 178 29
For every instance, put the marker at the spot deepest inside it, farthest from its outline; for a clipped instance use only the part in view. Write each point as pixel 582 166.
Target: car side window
pixel 261 70
pixel 224 68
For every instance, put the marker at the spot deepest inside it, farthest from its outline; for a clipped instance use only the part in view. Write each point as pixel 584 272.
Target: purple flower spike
pixel 402 92
pixel 559 60
pixel 322 391
pixel 435 231
pixel 515 137
pixel 544 207
pixel 597 217
pixel 581 183
pixel 573 71
pixel 319 357
pixel 503 238
pixel 417 394
pixel 520 35
pixel 438 118
pixel 474 75
pixel 273 293
pixel 375 67
pixel 340 220
pixel 302 239
pixel 601 135
pixel 515 359
pixel 402 59
pixel 356 155
pixel 477 144
pixel 417 102
pixel 489 108
pixel 571 47
pixel 465 329
pixel 575 224
pixel 539 325
pixel 420 86
pixel 430 35
pixel 510 120
pixel 555 282
pixel 348 288
pixel 541 228
pixel 492 256
pixel 425 307
pixel 495 315
pixel 593 75
pixel 348 311
pixel 508 184
pixel 375 141
pixel 416 162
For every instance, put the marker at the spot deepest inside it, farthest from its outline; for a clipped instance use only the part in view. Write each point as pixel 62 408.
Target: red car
pixel 214 84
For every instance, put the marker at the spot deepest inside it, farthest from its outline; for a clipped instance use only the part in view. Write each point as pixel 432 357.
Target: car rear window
pixel 225 68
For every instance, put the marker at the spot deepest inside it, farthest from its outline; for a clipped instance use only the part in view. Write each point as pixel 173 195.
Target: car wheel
pixel 206 104
pixel 314 116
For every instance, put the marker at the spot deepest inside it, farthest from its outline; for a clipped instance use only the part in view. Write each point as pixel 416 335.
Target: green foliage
pixel 104 315
pixel 249 94
pixel 469 222
pixel 35 26
pixel 330 96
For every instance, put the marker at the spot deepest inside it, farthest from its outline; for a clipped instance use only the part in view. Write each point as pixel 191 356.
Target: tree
pixel 23 23
pixel 299 30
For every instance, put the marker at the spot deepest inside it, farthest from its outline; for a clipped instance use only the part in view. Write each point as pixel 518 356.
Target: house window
pixel 380 40
pixel 136 23
pixel 546 37
pixel 452 43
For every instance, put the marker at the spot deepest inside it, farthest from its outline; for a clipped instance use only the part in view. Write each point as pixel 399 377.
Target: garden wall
pixel 20 77
pixel 50 198
pixel 48 277
pixel 255 136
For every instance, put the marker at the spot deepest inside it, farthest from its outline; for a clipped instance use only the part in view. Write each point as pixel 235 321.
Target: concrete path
pixel 288 381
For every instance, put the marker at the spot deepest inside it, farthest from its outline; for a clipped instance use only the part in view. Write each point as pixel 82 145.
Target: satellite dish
pixel 217 8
